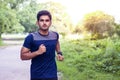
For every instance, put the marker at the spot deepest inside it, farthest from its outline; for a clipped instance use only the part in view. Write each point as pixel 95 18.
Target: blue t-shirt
pixel 44 65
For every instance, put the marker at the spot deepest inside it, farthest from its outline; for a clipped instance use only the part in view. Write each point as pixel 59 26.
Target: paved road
pixel 11 66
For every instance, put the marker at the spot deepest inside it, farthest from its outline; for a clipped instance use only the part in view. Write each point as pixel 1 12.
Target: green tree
pixel 28 16
pixel 99 24
pixel 61 21
pixel 8 19
pixel 117 29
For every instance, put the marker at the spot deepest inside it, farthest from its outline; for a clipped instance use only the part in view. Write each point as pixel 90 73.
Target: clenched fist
pixel 41 49
pixel 60 57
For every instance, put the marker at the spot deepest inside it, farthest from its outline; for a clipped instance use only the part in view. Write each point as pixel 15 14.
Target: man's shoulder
pixel 53 32
pixel 31 35
pixel 34 34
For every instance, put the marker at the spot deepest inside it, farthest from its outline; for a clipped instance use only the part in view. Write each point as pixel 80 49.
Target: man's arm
pixel 26 54
pixel 58 47
pixel 59 53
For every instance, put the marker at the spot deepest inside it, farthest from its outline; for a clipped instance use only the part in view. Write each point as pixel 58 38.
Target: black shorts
pixel 46 79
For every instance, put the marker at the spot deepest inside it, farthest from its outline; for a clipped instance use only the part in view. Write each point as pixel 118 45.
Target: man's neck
pixel 44 32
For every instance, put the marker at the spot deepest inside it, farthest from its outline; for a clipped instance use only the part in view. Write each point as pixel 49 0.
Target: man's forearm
pixel 29 55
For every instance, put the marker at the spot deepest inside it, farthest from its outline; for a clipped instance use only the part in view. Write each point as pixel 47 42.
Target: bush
pixel 93 60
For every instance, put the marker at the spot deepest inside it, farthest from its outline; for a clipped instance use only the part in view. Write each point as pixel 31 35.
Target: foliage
pixel 9 22
pixel 60 20
pixel 14 4
pixel 1 43
pixel 117 29
pixel 91 60
pixel 99 24
pixel 28 17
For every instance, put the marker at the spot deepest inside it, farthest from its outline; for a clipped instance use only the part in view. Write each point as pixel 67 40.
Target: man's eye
pixel 47 20
pixel 41 20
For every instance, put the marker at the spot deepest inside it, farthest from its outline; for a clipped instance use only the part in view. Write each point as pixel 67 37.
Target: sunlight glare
pixel 75 36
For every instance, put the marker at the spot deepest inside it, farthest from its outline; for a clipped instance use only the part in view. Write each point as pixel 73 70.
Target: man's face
pixel 44 22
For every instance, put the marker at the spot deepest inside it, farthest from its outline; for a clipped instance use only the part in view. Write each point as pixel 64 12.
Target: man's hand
pixel 41 49
pixel 60 57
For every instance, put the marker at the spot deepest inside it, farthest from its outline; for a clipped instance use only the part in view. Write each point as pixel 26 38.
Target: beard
pixel 43 29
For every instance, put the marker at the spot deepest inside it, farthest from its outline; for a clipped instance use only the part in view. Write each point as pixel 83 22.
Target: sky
pixel 78 8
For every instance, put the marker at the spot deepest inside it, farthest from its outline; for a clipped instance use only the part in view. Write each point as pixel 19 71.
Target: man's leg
pixel 46 79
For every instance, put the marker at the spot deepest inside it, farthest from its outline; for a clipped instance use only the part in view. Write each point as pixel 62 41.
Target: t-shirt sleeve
pixel 57 35
pixel 28 41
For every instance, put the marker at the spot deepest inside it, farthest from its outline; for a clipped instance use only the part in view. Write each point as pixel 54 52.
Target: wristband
pixel 60 53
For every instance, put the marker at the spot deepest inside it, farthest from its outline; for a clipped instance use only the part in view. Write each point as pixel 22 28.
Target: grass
pixel 80 59
pixel 1 43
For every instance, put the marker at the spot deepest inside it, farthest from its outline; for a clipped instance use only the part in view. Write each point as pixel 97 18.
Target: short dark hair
pixel 43 12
